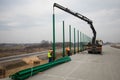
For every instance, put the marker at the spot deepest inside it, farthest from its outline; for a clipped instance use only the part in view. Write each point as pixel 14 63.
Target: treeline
pixel 21 47
pixel 45 44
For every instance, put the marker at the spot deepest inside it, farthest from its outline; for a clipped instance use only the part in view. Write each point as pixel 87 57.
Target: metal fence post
pixel 80 42
pixel 70 37
pixel 54 56
pixel 78 39
pixel 74 42
pixel 63 40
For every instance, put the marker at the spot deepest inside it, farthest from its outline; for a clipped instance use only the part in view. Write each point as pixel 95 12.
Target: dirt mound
pixel 32 60
pixel 12 64
pixel 5 67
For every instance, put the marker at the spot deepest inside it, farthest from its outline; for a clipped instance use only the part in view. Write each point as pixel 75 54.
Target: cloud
pixel 20 18
pixel 106 22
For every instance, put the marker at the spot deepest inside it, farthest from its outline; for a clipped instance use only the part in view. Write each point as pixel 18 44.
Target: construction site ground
pixel 85 66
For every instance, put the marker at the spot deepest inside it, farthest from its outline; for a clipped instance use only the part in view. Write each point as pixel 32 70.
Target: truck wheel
pixel 100 52
pixel 89 51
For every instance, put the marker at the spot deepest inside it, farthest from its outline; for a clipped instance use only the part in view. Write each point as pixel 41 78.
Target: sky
pixel 30 21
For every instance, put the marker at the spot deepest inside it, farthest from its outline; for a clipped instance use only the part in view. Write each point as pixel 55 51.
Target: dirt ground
pixel 11 52
pixel 12 67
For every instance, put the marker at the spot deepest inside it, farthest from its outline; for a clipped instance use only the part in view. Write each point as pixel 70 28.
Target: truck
pixel 97 48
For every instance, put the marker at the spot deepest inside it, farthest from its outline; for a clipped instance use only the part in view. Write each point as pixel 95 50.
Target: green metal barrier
pixel 24 74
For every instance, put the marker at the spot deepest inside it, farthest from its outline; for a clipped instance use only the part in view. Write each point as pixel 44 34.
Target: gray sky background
pixel 30 21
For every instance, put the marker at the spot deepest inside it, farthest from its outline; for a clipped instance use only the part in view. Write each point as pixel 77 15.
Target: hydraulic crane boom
pixel 81 17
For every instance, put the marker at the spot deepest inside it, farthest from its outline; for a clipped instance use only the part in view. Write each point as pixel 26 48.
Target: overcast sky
pixel 30 21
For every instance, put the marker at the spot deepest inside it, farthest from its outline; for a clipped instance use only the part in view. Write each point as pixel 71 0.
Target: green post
pixel 63 40
pixel 74 42
pixel 78 39
pixel 53 46
pixel 80 42
pixel 83 41
pixel 70 37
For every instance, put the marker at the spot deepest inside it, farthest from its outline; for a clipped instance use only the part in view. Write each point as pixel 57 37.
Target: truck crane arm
pixel 78 15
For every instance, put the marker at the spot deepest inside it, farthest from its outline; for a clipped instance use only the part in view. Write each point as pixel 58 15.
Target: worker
pixel 50 55
pixel 68 51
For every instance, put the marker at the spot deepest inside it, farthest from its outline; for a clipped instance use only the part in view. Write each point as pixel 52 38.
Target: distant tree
pixel 45 43
pixel 58 44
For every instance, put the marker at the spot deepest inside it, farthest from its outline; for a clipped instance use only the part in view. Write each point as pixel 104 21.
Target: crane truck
pixel 93 47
